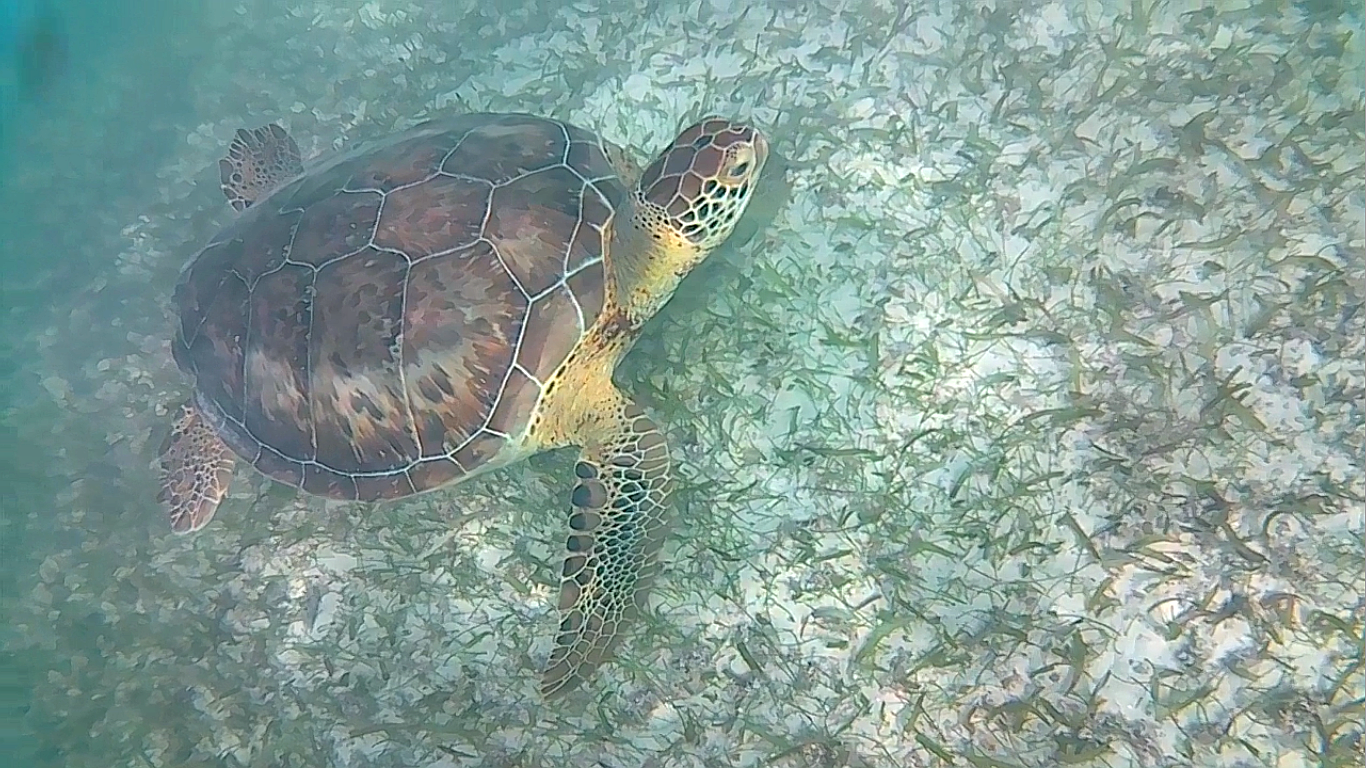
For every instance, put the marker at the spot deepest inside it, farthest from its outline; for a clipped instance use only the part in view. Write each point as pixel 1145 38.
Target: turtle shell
pixel 384 323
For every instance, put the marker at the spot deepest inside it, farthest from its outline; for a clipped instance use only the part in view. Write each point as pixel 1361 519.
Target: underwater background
pixel 1022 423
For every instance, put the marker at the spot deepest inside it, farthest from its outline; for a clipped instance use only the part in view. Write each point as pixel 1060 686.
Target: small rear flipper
pixel 196 468
pixel 258 161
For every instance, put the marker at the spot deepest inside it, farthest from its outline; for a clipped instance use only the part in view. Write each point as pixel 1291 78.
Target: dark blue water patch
pixel 79 165
pixel 33 50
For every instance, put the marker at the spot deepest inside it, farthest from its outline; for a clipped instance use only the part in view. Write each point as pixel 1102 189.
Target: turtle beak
pixel 760 148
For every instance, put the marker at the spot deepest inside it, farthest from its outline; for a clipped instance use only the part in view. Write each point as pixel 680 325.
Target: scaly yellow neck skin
pixel 647 261
pixel 642 274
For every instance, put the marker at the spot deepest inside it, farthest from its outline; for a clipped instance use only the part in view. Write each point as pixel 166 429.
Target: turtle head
pixel 686 204
pixel 698 187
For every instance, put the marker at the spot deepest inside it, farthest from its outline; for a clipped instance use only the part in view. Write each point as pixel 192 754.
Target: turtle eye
pixel 739 170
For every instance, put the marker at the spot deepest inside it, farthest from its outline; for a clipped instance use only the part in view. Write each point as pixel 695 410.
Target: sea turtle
pixel 448 300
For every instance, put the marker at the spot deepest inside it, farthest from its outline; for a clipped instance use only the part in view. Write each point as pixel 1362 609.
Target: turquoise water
pixel 1024 428
pixel 75 156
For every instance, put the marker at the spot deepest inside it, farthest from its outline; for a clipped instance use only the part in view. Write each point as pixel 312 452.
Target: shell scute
pixel 360 416
pixel 506 148
pixel 552 330
pixel 533 221
pixel 465 317
pixel 280 467
pixel 519 395
pixel 335 227
pixel 399 164
pixel 416 220
pixel 276 376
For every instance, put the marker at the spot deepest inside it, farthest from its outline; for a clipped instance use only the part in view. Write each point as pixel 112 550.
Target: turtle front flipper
pixel 196 468
pixel 258 161
pixel 617 520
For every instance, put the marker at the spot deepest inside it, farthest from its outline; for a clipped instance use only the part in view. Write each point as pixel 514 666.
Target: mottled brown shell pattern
pixel 385 323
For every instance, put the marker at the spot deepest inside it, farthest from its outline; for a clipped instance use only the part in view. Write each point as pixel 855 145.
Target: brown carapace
pixel 455 297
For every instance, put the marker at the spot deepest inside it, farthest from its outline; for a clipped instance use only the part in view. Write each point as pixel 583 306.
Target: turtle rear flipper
pixel 196 468
pixel 258 161
pixel 617 521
